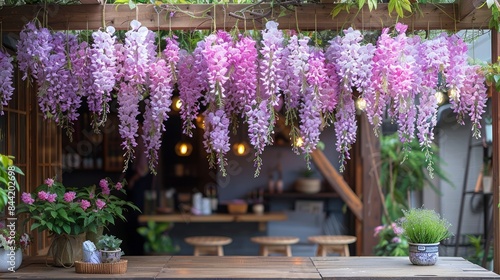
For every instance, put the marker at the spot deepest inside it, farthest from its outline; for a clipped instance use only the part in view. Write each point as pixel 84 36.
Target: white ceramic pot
pixel 111 256
pixel 423 254
pixel 9 261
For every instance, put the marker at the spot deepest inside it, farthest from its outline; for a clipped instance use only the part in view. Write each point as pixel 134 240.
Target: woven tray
pixel 101 268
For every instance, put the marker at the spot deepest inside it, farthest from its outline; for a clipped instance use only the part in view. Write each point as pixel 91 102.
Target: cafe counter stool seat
pixel 332 244
pixel 275 244
pixel 208 245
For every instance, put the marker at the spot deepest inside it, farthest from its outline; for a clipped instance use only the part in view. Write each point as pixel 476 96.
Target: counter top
pixel 213 218
pixel 254 267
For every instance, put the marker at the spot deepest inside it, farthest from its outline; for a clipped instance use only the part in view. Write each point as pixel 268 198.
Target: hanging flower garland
pixel 297 57
pixel 104 72
pixel 216 137
pixel 353 67
pixel 6 78
pixel 310 109
pixel 241 77
pixel 138 52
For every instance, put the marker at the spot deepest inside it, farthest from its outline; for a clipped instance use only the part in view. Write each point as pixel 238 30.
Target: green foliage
pixel 403 170
pixel 477 257
pixel 424 226
pixel 157 238
pixel 108 243
pixel 87 210
pixel 391 241
pixel 8 179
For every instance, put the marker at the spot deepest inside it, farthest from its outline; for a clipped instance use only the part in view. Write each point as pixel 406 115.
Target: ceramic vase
pixel 110 256
pixel 10 260
pixel 423 254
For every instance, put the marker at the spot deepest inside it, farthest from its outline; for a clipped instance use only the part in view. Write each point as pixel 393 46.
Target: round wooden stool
pixel 208 245
pixel 275 244
pixel 332 244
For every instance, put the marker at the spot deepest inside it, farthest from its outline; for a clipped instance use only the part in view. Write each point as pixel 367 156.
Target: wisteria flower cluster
pixel 65 210
pixel 6 77
pixel 50 59
pixel 230 77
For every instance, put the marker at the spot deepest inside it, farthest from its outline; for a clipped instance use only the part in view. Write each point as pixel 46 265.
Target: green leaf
pixel 53 214
pixel 67 228
pixel 361 3
pixel 131 4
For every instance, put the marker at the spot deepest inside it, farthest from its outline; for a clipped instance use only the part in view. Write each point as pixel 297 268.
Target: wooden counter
pixel 253 267
pixel 213 218
pixel 262 219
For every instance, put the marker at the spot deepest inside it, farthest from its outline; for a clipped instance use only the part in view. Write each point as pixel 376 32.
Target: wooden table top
pixel 256 267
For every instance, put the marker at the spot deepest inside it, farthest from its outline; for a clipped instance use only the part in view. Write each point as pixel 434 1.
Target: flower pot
pixel 110 256
pixel 423 254
pixel 66 249
pixel 308 185
pixel 10 260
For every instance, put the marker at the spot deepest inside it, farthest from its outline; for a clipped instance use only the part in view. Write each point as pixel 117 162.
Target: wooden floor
pixel 253 267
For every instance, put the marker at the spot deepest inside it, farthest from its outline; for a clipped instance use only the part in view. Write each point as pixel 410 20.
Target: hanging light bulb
pixel 441 97
pixel 183 148
pixel 299 142
pixel 176 103
pixel 241 148
pixel 360 104
pixel 200 121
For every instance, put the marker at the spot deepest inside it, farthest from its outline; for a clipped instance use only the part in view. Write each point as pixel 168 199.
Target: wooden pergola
pixel 463 14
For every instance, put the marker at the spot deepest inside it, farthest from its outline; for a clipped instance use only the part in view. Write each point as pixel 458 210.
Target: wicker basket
pixel 101 268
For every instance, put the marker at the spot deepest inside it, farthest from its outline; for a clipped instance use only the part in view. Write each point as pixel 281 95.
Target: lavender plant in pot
pixel 424 229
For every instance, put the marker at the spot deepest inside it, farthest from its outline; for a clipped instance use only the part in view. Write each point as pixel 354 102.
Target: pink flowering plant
pixel 392 242
pixel 65 210
pixel 11 240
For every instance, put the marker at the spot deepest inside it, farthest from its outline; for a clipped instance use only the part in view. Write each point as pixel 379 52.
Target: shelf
pixel 214 218
pixel 302 195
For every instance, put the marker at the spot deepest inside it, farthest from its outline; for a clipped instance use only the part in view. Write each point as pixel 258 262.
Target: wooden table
pixel 254 267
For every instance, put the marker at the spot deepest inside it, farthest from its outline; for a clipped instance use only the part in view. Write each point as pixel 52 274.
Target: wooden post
pixel 495 52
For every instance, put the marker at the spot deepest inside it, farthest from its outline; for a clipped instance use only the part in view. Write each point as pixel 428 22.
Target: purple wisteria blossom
pixel 6 77
pixel 103 69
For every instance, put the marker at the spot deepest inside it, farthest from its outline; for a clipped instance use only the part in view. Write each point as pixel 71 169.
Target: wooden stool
pixel 332 244
pixel 208 245
pixel 275 244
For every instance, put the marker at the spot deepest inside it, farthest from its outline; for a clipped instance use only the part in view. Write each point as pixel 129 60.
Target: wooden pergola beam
pixel 334 179
pixel 196 16
pixel 466 8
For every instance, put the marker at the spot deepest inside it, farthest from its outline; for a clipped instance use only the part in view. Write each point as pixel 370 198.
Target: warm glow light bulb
pixel 183 148
pixel 440 97
pixel 299 142
pixel 178 104
pixel 241 149
pixel 361 104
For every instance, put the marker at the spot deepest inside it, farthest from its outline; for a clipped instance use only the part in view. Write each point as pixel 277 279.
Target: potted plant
pixel 109 247
pixel 69 213
pixel 12 245
pixel 424 229
pixel 157 240
pixel 307 182
pixel 8 180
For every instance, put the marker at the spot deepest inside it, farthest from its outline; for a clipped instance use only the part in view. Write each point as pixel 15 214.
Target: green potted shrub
pixel 424 229
pixel 109 247
pixel 157 240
